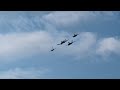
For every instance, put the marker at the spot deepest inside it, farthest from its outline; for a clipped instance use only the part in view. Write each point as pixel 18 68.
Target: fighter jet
pixel 62 42
pixel 69 43
pixel 52 49
pixel 75 35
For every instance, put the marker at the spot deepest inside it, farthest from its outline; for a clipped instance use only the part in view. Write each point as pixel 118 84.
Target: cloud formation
pixel 67 18
pixel 24 73
pixel 20 21
pixel 23 45
pixel 108 46
pixel 39 41
pixel 71 18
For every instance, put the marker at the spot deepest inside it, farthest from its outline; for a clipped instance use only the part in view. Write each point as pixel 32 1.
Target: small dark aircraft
pixel 52 49
pixel 62 42
pixel 75 35
pixel 69 43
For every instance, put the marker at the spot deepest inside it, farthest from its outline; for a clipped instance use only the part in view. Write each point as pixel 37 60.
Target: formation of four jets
pixel 64 41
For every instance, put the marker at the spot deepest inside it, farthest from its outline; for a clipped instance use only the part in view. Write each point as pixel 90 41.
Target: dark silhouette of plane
pixel 62 42
pixel 52 49
pixel 69 43
pixel 75 35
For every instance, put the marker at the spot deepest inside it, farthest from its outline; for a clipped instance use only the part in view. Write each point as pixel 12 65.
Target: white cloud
pixel 26 44
pixel 108 45
pixel 14 45
pixel 67 18
pixel 70 18
pixel 24 73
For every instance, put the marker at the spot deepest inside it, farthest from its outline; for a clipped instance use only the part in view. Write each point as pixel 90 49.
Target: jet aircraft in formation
pixel 75 35
pixel 69 43
pixel 64 41
pixel 52 49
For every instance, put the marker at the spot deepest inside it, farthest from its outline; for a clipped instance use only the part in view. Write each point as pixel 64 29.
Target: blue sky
pixel 26 38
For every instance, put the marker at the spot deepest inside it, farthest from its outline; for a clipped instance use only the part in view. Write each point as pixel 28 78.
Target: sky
pixel 26 38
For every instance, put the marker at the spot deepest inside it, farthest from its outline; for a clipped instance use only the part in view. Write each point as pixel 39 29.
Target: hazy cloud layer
pixel 24 73
pixel 20 21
